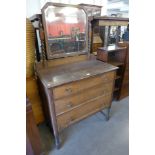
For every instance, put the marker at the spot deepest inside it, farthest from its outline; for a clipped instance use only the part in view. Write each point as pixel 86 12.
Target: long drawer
pixel 81 112
pixel 72 101
pixel 74 87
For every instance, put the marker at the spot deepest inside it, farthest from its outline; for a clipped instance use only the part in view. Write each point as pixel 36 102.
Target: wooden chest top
pixel 56 76
pixel 111 48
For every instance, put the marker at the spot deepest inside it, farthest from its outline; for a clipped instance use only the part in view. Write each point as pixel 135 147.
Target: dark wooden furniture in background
pixel 102 27
pixel 73 84
pixel 110 30
pixel 125 82
pixel 116 56
pixel 32 133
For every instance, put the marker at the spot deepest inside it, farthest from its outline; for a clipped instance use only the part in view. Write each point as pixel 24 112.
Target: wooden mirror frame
pixel 48 52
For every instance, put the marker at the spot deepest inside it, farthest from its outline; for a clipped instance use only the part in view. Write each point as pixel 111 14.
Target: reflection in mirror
pixel 66 29
pixel 112 35
pixel 116 31
pixel 125 33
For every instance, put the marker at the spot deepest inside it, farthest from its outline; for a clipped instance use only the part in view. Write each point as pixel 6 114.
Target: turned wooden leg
pixel 57 142
pixel 107 115
pixel 53 117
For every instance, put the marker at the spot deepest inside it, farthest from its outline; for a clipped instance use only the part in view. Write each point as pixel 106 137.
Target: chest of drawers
pixel 72 85
pixel 72 92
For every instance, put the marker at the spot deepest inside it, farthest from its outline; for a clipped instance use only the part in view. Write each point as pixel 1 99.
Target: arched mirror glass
pixel 65 28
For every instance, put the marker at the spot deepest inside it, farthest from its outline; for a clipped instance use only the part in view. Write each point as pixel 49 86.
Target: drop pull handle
pixel 69 105
pixel 69 90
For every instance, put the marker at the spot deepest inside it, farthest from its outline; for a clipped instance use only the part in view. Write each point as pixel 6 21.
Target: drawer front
pixel 72 101
pixel 83 111
pixel 74 87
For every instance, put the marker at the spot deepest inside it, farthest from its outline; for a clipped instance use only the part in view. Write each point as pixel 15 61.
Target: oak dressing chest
pixel 72 84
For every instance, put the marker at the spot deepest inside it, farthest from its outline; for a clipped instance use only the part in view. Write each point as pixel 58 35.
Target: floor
pixel 94 135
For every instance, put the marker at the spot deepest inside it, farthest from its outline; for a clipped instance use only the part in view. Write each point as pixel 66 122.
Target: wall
pixel 120 7
pixel 34 6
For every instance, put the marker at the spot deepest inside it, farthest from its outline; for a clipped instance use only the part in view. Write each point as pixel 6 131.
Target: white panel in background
pixel 32 7
pixel 98 2
pixel 104 8
pixel 64 1
pixel 43 2
pixel 81 1
pixel 55 1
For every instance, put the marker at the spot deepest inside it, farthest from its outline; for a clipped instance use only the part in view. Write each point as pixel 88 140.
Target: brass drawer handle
pixel 69 90
pixel 69 105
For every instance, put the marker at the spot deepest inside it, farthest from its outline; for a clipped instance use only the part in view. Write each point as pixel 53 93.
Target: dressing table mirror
pixel 65 30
